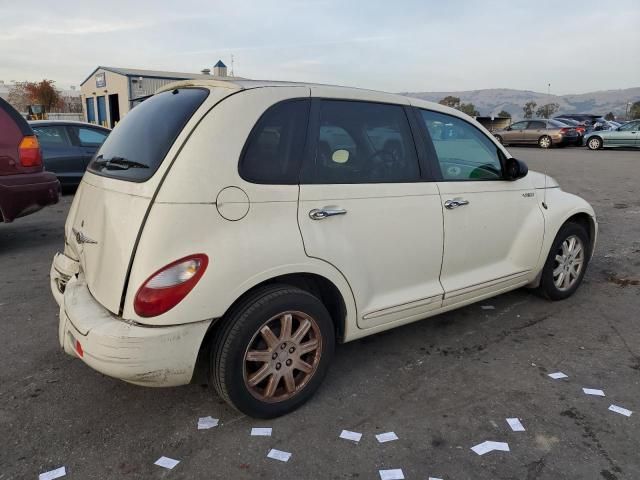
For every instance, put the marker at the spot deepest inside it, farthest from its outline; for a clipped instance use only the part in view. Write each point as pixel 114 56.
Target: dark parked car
pixel 68 147
pixel 24 185
pixel 544 133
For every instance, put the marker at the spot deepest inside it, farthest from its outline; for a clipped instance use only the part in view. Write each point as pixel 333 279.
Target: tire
pixel 594 143
pixel 499 139
pixel 545 141
pixel 239 340
pixel 549 287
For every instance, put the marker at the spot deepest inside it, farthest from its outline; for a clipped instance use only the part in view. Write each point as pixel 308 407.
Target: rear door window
pixel 135 149
pixel 52 137
pixel 362 142
pixel 87 137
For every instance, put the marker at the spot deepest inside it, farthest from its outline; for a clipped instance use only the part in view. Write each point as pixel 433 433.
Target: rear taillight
pixel 29 152
pixel 168 286
pixel 564 130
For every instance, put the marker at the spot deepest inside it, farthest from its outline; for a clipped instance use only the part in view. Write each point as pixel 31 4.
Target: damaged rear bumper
pixel 149 356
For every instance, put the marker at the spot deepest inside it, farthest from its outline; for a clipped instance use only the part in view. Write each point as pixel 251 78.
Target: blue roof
pixel 220 64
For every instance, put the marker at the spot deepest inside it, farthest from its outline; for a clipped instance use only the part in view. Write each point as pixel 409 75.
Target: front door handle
pixel 324 212
pixel 455 203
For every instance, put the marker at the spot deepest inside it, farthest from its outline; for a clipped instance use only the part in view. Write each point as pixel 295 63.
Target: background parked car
pixel 544 133
pixel 24 185
pixel 68 147
pixel 580 129
pixel 628 135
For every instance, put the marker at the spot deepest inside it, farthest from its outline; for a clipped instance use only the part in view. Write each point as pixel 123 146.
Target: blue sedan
pixel 67 147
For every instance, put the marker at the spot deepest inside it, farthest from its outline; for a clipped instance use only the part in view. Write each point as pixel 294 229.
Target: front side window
pixel 464 152
pixel 274 150
pixel 54 136
pixel 361 142
pixel 519 126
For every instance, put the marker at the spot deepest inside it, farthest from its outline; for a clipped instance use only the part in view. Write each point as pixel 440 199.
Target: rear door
pixel 535 129
pixel 59 154
pixel 365 209
pixel 493 227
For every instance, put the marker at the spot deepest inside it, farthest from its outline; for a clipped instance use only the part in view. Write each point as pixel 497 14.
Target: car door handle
pixel 455 203
pixel 324 212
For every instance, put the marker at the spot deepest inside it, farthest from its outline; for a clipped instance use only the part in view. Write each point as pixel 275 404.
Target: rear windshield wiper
pixel 119 163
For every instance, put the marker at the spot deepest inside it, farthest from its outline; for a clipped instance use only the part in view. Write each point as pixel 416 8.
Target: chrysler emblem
pixel 82 238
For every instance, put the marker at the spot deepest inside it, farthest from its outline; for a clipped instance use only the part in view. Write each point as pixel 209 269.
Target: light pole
pixel 627 111
pixel 548 98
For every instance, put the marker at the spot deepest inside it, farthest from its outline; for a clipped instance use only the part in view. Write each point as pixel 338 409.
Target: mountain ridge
pixel 490 101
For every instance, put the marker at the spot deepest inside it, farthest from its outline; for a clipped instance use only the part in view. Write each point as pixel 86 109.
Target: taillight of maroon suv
pixel 24 185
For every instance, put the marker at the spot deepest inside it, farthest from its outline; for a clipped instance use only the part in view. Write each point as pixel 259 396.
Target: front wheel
pixel 567 262
pixel 273 351
pixel 594 143
pixel 544 141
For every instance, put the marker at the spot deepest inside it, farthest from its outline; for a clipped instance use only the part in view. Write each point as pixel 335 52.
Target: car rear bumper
pixel 25 193
pixel 149 356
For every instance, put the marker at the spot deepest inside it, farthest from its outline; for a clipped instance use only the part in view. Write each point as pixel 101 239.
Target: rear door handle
pixel 455 203
pixel 324 212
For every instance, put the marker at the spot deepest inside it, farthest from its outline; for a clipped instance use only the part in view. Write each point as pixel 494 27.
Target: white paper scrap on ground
pixel 593 391
pixel 488 307
pixel 57 473
pixel 279 455
pixel 558 375
pixel 353 436
pixel 205 423
pixel 261 432
pixel 395 474
pixel 166 462
pixel 434 478
pixel 386 437
pixel 515 424
pixel 490 446
pixel 620 410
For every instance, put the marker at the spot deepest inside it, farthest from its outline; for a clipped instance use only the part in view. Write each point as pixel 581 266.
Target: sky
pixel 395 46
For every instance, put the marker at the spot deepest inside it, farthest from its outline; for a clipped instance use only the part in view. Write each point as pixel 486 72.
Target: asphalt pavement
pixel 443 385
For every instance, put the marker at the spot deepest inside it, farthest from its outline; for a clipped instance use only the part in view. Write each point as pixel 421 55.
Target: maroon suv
pixel 24 185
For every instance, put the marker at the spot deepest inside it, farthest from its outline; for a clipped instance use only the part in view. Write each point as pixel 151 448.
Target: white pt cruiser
pixel 237 230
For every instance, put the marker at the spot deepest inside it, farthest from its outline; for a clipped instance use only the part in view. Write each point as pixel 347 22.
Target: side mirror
pixel 508 128
pixel 516 169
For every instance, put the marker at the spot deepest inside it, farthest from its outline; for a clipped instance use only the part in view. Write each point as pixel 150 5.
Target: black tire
pixel 499 139
pixel 545 141
pixel 547 286
pixel 236 333
pixel 594 143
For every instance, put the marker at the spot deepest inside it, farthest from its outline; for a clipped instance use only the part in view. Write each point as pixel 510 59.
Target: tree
pixel 610 116
pixel 634 111
pixel 528 109
pixel 545 111
pixel 44 93
pixel 469 109
pixel 18 97
pixel 450 101
pixel 503 113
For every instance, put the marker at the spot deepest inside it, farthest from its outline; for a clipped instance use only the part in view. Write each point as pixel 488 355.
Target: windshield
pixel 137 146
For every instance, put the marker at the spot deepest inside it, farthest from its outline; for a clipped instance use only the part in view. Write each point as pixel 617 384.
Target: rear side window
pixel 135 149
pixel 88 137
pixel 361 142
pixel 537 124
pixel 52 137
pixel 275 146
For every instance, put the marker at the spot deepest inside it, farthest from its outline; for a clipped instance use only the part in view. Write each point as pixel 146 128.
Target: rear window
pixel 137 146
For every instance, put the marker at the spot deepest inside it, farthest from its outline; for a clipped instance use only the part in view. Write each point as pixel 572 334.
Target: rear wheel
pixel 567 262
pixel 545 141
pixel 273 351
pixel 594 143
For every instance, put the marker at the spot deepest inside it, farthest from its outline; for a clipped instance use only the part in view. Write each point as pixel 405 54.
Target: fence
pixel 79 117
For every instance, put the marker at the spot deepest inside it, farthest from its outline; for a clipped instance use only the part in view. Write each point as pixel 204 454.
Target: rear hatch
pixel 115 195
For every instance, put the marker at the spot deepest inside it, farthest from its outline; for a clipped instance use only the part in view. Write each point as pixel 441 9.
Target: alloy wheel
pixel 568 263
pixel 594 143
pixel 282 356
pixel 544 142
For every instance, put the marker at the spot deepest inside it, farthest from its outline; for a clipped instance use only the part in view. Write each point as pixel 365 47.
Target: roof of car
pixel 334 90
pixel 36 123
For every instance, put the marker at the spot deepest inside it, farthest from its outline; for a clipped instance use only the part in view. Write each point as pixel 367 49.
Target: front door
pixel 515 134
pixel 102 111
pixel 364 209
pixel 493 227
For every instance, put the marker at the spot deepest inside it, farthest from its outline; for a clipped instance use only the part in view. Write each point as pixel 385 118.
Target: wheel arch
pixel 319 285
